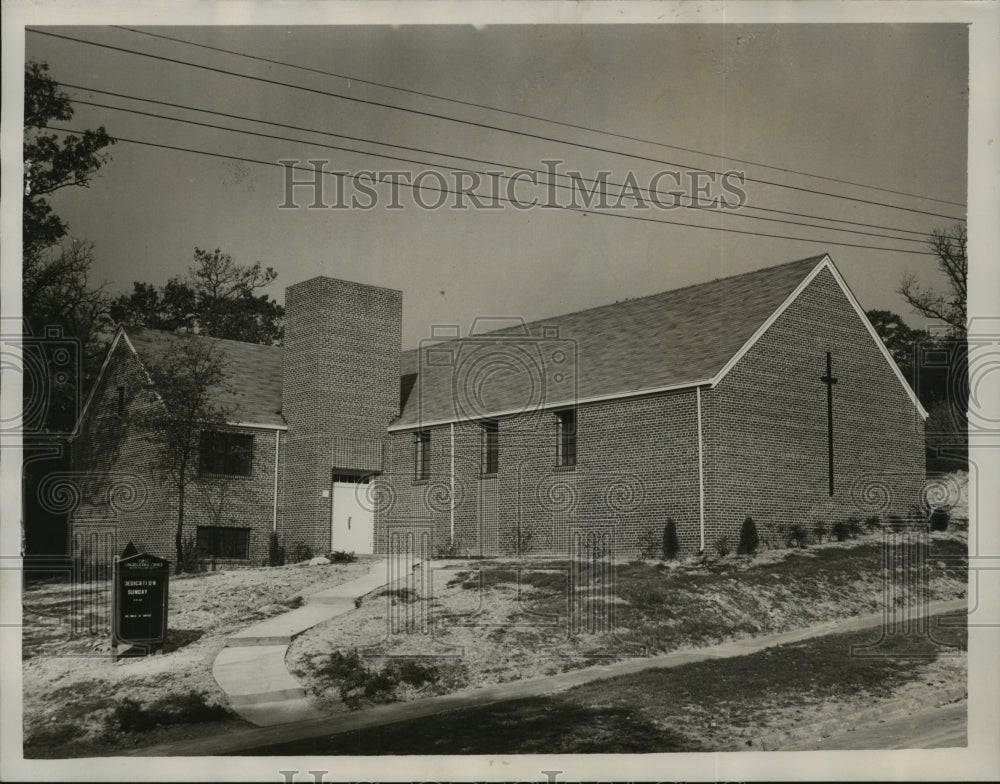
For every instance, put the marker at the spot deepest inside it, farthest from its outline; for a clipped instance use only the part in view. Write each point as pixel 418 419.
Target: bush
pixel 189 555
pixel 797 536
pixel 670 544
pixel 873 523
pixel 357 683
pixel 840 530
pixel 722 547
pixel 819 531
pixel 649 545
pixel 896 523
pixel 275 553
pixel 749 540
pixel 340 556
pixel 940 519
pixel 189 708
pixel 301 552
pixel 854 528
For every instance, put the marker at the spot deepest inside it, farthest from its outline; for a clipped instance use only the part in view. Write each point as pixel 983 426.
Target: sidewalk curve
pixel 512 690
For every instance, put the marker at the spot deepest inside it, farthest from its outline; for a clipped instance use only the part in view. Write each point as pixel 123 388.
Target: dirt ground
pixel 72 689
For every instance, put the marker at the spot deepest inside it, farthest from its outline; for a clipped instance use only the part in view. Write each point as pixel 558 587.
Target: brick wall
pixel 636 465
pixel 111 453
pixel 341 390
pixel 765 426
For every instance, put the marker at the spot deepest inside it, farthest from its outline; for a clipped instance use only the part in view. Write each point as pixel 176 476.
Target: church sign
pixel 140 596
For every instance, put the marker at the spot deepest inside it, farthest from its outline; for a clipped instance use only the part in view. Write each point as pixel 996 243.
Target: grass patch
pixel 129 715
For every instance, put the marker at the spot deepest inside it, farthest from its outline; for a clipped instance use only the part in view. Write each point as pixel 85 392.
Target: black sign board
pixel 141 582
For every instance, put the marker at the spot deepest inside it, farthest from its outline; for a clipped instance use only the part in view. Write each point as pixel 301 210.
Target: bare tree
pixel 186 382
pixel 949 245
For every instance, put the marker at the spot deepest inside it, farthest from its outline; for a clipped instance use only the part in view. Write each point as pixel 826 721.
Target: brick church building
pixel 766 394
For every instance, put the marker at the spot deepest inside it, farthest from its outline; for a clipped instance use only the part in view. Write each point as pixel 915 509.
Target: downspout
pixel 701 476
pixel 451 490
pixel 274 519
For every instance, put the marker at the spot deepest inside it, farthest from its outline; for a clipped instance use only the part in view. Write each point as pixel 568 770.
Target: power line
pixel 474 124
pixel 695 205
pixel 922 235
pixel 527 116
pixel 415 186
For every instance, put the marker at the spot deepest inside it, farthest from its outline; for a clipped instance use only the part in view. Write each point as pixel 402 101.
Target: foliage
pixel 749 540
pixel 301 552
pixel 949 245
pixel 939 519
pixel 217 297
pixel 722 546
pixel 797 536
pixel 182 381
pixel 649 545
pixel 670 544
pixel 819 531
pixel 188 708
pixel 873 523
pixel 896 523
pixel 51 164
pixel 189 556
pixel 840 530
pixel 275 552
pixel 854 528
pixel 359 684
pixel 341 556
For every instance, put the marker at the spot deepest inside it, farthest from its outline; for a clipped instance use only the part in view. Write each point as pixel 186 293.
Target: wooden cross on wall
pixel 829 380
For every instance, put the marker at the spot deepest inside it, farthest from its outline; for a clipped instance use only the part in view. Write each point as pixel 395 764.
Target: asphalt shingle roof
pixel 673 338
pixel 253 372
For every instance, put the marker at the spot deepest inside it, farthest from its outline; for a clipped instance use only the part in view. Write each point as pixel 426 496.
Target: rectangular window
pixel 422 454
pixel 226 454
pixel 121 401
pixel 566 438
pixel 216 541
pixel 491 447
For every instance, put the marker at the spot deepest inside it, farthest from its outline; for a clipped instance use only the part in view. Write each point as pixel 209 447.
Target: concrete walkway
pixel 262 737
pixel 251 668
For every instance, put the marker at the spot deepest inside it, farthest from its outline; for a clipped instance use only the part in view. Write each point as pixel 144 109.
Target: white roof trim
pixel 554 406
pixel 257 425
pixel 97 382
pixel 825 263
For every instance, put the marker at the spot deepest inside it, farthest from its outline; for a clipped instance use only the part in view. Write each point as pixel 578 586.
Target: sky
pixel 882 105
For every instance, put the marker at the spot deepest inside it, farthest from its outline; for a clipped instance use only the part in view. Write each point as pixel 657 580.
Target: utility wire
pixel 472 123
pixel 696 205
pixel 415 186
pixel 527 116
pixel 921 234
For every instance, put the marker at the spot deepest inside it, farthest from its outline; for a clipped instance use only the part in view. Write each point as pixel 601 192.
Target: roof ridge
pixel 131 331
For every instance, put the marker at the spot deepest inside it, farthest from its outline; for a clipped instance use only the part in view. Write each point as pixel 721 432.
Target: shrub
pixel 873 523
pixel 797 536
pixel 301 552
pixel 189 555
pixel 853 527
pixel 649 545
pixel 896 523
pixel 275 553
pixel 840 530
pixel 189 708
pixel 940 519
pixel 670 544
pixel 722 547
pixel 819 531
pixel 749 540
pixel 357 683
pixel 340 556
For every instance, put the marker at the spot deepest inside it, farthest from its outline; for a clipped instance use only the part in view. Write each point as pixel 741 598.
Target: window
pixel 491 447
pixel 216 541
pixel 352 479
pixel 226 454
pixel 121 401
pixel 422 454
pixel 566 438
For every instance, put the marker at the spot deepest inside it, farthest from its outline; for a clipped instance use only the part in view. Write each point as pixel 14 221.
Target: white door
pixel 353 526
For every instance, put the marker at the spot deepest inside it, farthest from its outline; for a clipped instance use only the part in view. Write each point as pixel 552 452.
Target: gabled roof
pixel 681 338
pixel 253 372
